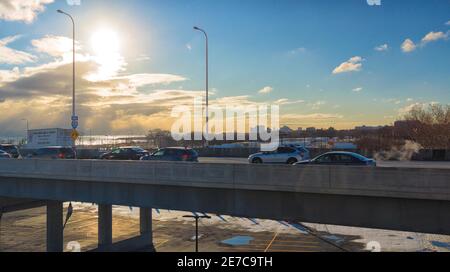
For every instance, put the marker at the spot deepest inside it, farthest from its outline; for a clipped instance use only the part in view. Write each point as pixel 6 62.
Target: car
pixel 133 153
pixel 10 149
pixel 54 152
pixel 283 155
pixel 4 155
pixel 340 158
pixel 181 154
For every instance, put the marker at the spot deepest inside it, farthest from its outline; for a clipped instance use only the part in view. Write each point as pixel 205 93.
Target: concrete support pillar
pixel 145 218
pixel 55 232
pixel 104 225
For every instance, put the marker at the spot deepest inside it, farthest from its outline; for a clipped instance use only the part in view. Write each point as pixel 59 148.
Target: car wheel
pixel 292 161
pixel 257 161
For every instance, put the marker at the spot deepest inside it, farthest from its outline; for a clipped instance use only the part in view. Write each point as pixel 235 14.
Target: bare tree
pixel 429 126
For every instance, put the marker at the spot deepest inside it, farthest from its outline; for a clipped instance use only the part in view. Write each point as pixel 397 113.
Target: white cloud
pixel 9 75
pixel 297 51
pixel 266 90
pixel 352 65
pixel 139 80
pixel 12 56
pixel 55 46
pixel 22 10
pixel 383 47
pixel 285 101
pixel 143 57
pixel 434 36
pixel 317 105
pixel 73 2
pixel 408 46
pixel 357 90
pixel 313 116
pixel 409 107
pixel 447 23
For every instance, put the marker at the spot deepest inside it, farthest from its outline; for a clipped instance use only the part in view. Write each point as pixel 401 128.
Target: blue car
pixel 340 158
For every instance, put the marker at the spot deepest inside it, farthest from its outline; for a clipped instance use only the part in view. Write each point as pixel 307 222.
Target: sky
pixel 325 63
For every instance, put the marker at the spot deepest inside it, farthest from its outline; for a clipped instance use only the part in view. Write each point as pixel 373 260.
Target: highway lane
pixel 400 164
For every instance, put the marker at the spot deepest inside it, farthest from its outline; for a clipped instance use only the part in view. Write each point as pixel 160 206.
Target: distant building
pixel 405 124
pixel 368 128
pixel 286 130
pixel 344 146
pixel 38 138
pixel 299 129
pixel 311 130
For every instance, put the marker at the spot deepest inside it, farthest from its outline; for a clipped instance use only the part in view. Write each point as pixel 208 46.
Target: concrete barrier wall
pixel 432 155
pixel 433 184
pixel 414 200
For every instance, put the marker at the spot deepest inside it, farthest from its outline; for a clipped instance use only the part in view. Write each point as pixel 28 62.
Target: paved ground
pixel 405 164
pixel 25 231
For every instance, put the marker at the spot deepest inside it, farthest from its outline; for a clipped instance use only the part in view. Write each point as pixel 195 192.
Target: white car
pixel 283 155
pixel 4 155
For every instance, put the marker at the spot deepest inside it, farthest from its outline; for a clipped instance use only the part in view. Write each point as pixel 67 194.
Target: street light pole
pixel 207 81
pixel 28 128
pixel 73 74
pixel 197 217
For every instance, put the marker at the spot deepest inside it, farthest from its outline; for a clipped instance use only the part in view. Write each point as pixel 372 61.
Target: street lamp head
pixel 196 28
pixel 60 11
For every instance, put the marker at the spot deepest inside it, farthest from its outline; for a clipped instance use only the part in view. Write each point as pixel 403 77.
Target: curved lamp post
pixel 207 81
pixel 73 91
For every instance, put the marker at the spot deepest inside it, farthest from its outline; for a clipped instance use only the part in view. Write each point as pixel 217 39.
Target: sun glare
pixel 105 45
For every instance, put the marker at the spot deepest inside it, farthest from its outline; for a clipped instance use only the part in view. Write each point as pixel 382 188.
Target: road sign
pixel 74 135
pixel 74 122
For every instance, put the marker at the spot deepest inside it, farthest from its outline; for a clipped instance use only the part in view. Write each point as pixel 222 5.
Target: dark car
pixel 55 153
pixel 10 149
pixel 340 158
pixel 125 153
pixel 181 154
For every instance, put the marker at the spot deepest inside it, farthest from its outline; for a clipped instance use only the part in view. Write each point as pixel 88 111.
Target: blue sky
pixel 288 47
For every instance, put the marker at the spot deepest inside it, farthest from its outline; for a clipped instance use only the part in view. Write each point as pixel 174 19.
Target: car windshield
pixel 159 153
pixel 8 148
pixel 359 157
pixel 324 158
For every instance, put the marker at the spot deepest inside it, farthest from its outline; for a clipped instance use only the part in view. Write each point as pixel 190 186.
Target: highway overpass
pixel 404 199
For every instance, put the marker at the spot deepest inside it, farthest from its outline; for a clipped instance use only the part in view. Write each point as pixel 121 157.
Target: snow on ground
pixel 382 240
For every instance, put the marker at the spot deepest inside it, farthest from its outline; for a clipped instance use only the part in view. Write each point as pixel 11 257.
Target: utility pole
pixel 197 217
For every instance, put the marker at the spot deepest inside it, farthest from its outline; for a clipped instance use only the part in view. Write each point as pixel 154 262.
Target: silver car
pixel 283 155
pixel 4 155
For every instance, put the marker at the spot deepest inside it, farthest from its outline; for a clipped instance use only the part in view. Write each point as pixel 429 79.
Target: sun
pixel 105 42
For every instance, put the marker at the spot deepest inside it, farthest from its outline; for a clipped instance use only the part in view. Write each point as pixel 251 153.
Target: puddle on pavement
pixel 441 244
pixel 238 241
pixel 334 238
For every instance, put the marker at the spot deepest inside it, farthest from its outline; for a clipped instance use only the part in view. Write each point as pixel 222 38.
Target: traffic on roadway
pixel 288 154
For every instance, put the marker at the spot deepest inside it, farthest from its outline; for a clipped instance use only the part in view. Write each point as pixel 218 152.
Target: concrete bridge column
pixel 55 232
pixel 145 218
pixel 104 225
